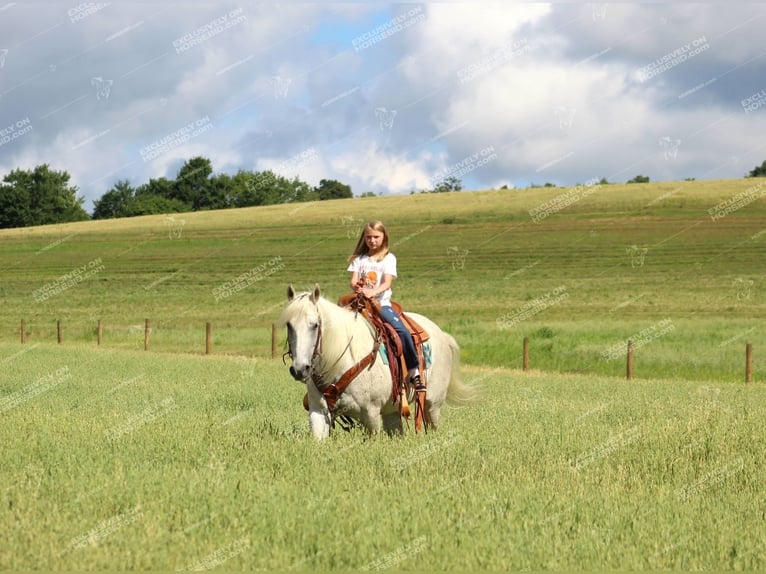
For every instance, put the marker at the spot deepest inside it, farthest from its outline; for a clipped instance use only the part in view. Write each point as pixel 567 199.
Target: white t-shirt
pixel 373 271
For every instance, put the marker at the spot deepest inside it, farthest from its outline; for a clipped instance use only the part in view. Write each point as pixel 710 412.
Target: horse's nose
pixel 299 374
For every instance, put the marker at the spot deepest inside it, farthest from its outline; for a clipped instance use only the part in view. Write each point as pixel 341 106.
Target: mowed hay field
pixel 170 459
pixel 642 261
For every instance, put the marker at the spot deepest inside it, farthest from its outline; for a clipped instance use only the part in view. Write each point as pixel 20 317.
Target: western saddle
pixel 401 392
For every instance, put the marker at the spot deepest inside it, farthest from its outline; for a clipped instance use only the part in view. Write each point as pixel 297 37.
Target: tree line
pixel 42 196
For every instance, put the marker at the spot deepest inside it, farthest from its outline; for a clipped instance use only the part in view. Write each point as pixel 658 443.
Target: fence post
pixel 749 363
pixel 273 340
pixel 100 333
pixel 147 329
pixel 208 337
pixel 23 331
pixel 58 331
pixel 525 356
pixel 629 368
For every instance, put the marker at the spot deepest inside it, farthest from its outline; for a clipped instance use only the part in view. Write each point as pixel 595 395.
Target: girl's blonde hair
pixel 361 245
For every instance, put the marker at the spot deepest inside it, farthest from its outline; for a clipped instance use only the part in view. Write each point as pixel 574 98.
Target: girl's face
pixel 373 239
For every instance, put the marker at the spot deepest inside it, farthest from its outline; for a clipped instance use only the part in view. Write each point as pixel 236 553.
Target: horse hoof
pixel 306 401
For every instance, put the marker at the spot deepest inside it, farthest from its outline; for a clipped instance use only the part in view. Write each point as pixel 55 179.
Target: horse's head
pixel 304 330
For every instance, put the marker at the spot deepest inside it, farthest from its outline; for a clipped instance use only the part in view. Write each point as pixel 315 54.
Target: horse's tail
pixel 458 392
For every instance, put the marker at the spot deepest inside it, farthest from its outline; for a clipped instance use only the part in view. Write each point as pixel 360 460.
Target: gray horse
pixel 329 340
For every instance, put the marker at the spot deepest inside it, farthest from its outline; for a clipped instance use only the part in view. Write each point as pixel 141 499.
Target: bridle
pixel 332 390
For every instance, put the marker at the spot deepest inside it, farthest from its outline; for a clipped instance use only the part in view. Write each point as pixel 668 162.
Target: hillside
pixel 599 264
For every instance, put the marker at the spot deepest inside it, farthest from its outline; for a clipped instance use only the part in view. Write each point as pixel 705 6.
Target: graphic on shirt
pixel 370 279
pixel 370 274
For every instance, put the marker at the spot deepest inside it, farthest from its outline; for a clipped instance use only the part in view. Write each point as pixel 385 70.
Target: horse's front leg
pixel 319 415
pixel 319 423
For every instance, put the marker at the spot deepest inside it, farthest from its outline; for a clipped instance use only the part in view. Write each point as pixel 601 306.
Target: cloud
pixel 379 171
pixel 388 97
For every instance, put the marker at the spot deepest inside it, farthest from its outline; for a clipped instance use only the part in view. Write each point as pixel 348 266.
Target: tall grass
pixel 116 459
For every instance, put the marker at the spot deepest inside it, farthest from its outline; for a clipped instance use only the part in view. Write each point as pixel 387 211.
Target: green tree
pixel 161 187
pixel 156 197
pixel 758 171
pixel 267 188
pixel 639 179
pixel 257 188
pixel 450 183
pixel 115 202
pixel 220 192
pixel 192 185
pixel 39 197
pixel 152 204
pixel 332 189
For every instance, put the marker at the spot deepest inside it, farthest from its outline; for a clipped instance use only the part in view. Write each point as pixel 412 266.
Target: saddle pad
pixel 426 354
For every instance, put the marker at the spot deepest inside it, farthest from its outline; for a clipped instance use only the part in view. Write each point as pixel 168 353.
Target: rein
pixel 332 391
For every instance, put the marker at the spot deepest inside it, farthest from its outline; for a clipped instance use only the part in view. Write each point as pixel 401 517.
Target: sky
pixel 388 98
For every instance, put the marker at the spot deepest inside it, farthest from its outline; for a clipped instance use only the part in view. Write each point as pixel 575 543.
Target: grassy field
pixel 118 459
pixel 602 265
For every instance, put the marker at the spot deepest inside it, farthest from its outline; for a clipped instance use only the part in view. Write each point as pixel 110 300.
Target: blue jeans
pixel 408 345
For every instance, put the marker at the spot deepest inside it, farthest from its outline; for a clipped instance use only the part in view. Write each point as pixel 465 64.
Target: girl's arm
pixel 355 281
pixel 385 283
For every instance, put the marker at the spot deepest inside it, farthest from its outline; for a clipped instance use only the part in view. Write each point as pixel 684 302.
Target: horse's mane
pixel 341 329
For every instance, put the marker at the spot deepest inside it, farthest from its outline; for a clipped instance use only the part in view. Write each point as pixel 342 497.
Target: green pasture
pixel 118 460
pixel 603 265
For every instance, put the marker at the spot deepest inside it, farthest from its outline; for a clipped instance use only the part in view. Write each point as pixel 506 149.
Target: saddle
pixel 387 335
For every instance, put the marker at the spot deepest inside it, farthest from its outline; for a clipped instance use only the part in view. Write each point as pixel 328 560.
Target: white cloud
pixel 372 169
pixel 551 87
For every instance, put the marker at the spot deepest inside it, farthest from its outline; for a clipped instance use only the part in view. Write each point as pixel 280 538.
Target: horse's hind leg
pixel 371 420
pixel 434 414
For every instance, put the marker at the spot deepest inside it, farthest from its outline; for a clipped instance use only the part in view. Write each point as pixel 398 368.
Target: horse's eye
pixel 314 326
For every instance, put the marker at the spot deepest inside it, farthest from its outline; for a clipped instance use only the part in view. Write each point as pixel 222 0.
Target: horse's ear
pixel 290 292
pixel 316 293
